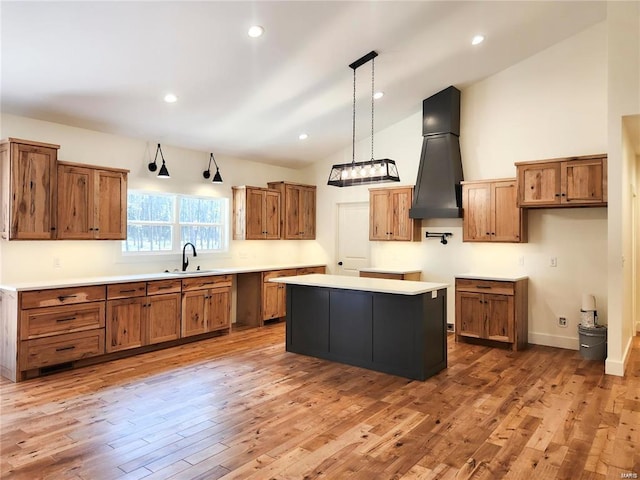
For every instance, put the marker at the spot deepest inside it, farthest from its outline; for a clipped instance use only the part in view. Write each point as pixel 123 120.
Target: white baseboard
pixel 617 367
pixel 569 343
pixel 614 367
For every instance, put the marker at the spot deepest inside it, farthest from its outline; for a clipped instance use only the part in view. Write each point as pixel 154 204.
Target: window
pixel 160 223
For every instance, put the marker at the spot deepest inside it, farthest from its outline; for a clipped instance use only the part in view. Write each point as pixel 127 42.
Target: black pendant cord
pixel 373 63
pixel 353 130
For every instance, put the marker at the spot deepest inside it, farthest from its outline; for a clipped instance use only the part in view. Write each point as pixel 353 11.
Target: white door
pixel 353 238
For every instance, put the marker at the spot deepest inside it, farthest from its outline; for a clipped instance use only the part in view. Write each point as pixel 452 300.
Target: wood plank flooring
pixel 240 407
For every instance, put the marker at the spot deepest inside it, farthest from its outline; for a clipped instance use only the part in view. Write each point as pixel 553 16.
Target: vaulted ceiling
pixel 107 65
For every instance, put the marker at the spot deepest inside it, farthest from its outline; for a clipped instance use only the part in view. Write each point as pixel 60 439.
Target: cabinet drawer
pixel 61 296
pixel 266 276
pixel 163 286
pixel 309 270
pixel 43 352
pixel 484 286
pixel 126 290
pixel 200 283
pixel 42 322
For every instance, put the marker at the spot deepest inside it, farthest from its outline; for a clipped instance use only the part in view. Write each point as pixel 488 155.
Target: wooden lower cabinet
pixel 392 276
pixel 125 323
pixel 58 349
pixel 263 300
pixel 274 295
pixel 56 326
pixel 163 321
pixel 492 310
pixel 206 304
pixel 47 330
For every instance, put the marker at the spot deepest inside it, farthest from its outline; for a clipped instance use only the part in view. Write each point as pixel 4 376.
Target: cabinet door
pixel 219 309
pixel 470 314
pixel 506 217
pixel 476 205
pixel 539 184
pixel 32 192
pixel 195 306
pixel 292 214
pixel 308 213
pixel 271 215
pixel 255 229
pixel 499 311
pixel 163 317
pixel 401 224
pixel 125 324
pixel 75 202
pixel 583 181
pixel 110 221
pixel 273 296
pixel 379 215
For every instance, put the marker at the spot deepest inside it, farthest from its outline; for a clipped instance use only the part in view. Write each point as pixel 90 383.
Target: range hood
pixel 438 193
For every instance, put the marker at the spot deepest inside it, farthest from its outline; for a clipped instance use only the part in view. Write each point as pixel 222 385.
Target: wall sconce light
pixel 217 178
pixel 442 236
pixel 153 166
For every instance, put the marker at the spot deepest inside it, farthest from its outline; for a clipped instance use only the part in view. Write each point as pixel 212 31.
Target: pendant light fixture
pixel 153 166
pixel 371 171
pixel 217 178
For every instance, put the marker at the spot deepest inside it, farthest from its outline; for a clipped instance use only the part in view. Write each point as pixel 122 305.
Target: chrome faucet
pixel 185 260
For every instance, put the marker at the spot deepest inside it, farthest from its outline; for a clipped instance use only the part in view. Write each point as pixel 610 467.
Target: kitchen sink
pixel 191 272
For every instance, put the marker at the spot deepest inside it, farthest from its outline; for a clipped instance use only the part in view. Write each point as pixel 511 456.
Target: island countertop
pixel 378 285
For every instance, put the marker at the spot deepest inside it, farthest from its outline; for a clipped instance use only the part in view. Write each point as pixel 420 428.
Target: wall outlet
pixel 521 260
pixel 56 262
pixel 562 322
pixel 553 262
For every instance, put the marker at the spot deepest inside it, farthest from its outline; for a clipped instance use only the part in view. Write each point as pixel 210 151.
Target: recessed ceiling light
pixel 255 31
pixel 477 40
pixel 170 98
pixel 378 95
pixel 303 136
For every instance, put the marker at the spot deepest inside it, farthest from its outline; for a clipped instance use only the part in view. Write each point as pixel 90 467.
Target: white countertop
pixel 395 270
pixel 500 277
pixel 77 282
pixel 378 285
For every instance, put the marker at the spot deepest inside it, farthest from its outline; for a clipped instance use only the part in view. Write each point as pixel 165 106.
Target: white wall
pixel 551 105
pixel 623 98
pixel 24 261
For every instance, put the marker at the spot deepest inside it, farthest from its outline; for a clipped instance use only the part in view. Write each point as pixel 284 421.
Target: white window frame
pixel 176 241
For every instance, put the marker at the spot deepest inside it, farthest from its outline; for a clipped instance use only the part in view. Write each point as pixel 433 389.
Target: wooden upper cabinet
pixel 491 213
pixel 92 202
pixel 256 213
pixel 389 214
pixel 28 185
pixel 297 209
pixel 563 182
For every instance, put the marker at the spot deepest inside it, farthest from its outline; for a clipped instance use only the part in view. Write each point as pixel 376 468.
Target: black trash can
pixel 593 342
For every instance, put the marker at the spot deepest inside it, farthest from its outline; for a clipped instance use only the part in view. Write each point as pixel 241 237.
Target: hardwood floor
pixel 239 406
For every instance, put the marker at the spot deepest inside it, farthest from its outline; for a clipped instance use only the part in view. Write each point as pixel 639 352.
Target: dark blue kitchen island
pixel 392 326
